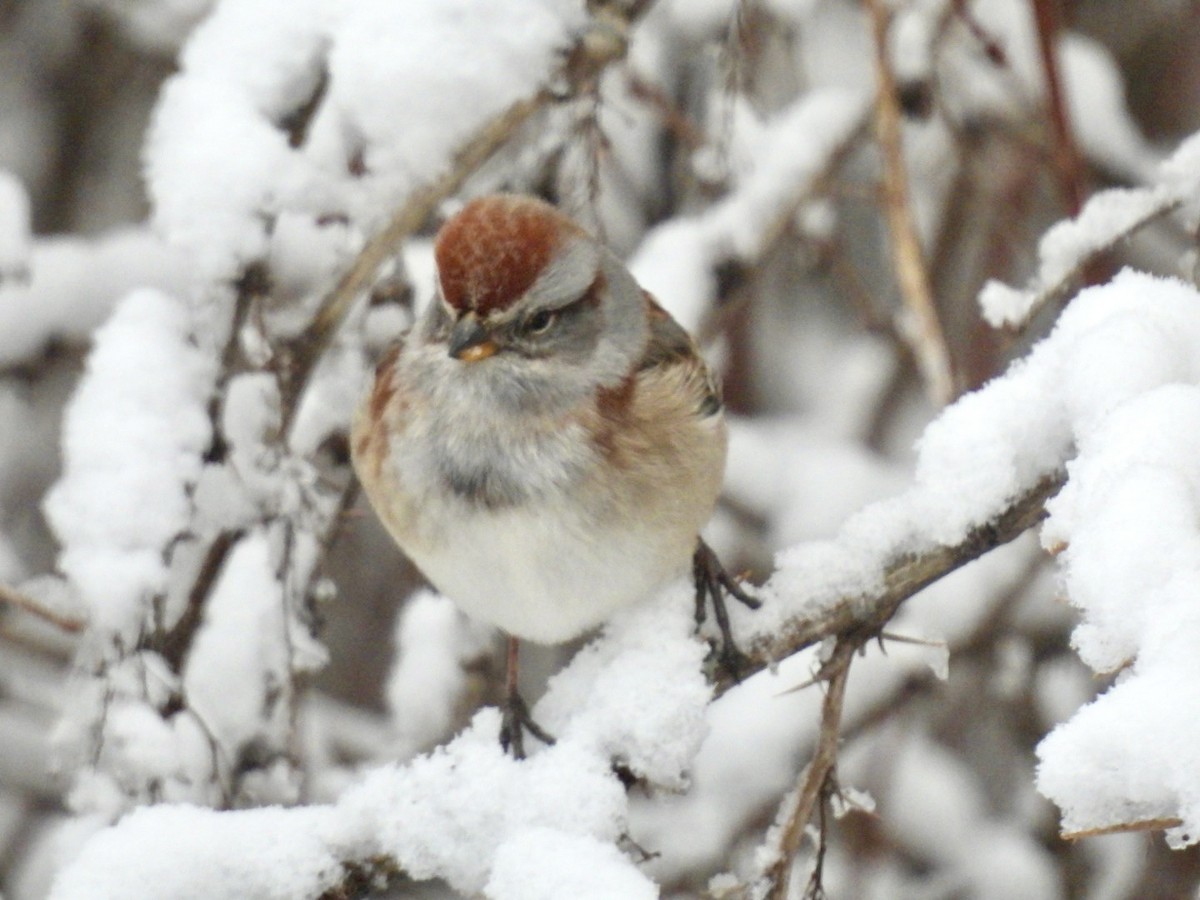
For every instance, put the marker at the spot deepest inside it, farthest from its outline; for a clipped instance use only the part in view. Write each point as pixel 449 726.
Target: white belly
pixel 538 573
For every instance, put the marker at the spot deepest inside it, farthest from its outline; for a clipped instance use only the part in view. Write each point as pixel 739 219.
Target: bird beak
pixel 470 341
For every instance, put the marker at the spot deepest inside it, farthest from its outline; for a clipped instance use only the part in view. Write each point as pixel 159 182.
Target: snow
pixel 761 732
pixel 976 87
pixel 1119 401
pixel 1095 93
pixel 541 864
pixel 73 284
pixel 241 647
pixel 427 682
pixel 937 808
pixel 1132 565
pixel 1107 217
pixel 162 25
pixel 191 853
pixel 1064 249
pixel 464 803
pixel 1180 174
pixel 911 39
pixel 985 450
pixel 1111 397
pixel 771 472
pixel 467 813
pixel 254 62
pixel 133 438
pixel 604 700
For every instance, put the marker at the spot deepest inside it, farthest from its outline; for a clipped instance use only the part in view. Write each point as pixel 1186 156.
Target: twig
pixel 924 330
pixel 13 597
pixel 673 119
pixel 1124 828
pixel 818 772
pixel 991 47
pixel 1067 161
pixel 865 616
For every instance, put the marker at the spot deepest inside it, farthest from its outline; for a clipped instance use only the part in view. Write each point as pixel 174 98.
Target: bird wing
pixel 669 346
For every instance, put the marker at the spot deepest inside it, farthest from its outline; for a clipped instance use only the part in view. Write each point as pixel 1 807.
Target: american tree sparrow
pixel 546 442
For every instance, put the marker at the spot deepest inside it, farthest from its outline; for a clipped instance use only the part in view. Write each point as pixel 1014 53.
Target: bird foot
pixel 712 583
pixel 515 720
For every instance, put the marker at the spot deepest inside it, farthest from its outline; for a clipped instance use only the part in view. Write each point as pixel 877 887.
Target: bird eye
pixel 540 321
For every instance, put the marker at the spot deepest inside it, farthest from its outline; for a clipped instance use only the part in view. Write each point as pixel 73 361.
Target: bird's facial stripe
pixel 568 275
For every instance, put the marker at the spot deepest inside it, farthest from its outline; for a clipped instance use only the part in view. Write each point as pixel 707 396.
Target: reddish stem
pixel 1067 161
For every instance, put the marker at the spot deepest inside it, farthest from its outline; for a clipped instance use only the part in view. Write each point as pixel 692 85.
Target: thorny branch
pixel 819 772
pixel 902 578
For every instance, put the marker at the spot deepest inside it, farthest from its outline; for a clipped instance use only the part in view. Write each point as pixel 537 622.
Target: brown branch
pixel 924 330
pixel 992 48
pixel 674 120
pixel 818 772
pixel 12 597
pixel 1067 162
pixel 864 616
pixel 1124 828
pixel 364 878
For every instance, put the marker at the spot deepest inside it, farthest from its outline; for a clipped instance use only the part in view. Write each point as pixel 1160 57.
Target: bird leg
pixel 712 583
pixel 515 719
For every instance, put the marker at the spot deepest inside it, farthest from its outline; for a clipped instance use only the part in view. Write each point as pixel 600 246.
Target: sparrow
pixel 546 442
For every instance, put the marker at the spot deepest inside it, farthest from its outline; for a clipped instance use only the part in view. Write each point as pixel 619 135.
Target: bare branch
pixel 923 330
pixel 818 772
pixel 12 597
pixel 1124 828
pixel 1067 162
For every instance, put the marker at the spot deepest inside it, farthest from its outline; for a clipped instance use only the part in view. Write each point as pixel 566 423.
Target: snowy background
pixel 943 253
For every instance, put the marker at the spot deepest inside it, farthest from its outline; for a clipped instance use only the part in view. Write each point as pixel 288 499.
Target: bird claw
pixel 515 720
pixel 712 583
